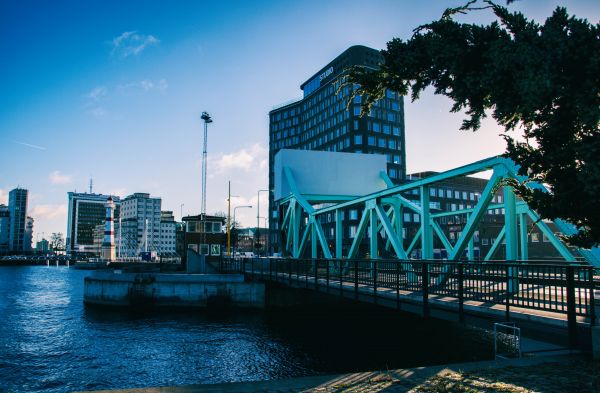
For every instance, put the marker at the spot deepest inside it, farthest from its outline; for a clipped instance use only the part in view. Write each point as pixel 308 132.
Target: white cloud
pixel 31 145
pixel 3 197
pixel 247 160
pixel 97 93
pixel 132 43
pixel 48 211
pixel 97 112
pixel 146 85
pixel 58 178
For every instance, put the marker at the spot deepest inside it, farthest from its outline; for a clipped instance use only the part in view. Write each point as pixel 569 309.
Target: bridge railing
pixel 551 287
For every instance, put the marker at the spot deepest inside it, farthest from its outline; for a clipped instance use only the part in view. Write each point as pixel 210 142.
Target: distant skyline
pixel 114 91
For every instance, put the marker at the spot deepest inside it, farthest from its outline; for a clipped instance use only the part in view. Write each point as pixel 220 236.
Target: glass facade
pixel 322 120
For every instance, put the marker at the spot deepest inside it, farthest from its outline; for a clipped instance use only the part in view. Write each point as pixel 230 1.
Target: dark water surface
pixel 50 342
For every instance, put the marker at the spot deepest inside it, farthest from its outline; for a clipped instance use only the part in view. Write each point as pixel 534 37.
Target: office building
pixel 17 207
pixel 4 228
pixel 168 228
pixel 86 210
pixel 321 120
pixel 43 246
pixel 138 229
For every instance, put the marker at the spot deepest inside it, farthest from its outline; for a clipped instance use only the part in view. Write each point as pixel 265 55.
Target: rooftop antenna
pixel 91 184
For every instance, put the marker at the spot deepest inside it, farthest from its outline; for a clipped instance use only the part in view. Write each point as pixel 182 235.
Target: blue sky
pixel 114 90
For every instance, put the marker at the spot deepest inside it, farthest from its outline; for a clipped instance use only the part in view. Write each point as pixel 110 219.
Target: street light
pixel 257 233
pixel 234 211
pixel 207 119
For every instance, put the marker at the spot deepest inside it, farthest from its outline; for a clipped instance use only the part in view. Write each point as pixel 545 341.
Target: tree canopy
pixel 540 79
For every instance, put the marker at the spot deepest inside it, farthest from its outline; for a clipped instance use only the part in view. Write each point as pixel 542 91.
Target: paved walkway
pixel 540 374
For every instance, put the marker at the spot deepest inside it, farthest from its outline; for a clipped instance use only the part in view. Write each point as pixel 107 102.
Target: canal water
pixel 50 342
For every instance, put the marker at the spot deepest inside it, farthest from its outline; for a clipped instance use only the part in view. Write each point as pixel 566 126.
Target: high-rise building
pixel 4 227
pixel 139 226
pixel 17 206
pixel 321 120
pixel 86 210
pixel 42 246
pixel 28 239
pixel 168 229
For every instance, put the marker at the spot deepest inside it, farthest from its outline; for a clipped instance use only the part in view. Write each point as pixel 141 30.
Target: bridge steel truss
pixel 382 213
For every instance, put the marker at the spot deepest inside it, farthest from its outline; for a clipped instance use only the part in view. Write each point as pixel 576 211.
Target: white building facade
pixel 139 226
pixel 167 233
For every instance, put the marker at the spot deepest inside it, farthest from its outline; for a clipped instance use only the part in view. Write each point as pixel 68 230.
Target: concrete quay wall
pixel 172 290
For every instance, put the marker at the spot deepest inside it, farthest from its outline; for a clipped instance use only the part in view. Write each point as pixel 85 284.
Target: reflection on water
pixel 51 343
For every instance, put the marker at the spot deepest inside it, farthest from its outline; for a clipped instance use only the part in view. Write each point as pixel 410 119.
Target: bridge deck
pixel 401 298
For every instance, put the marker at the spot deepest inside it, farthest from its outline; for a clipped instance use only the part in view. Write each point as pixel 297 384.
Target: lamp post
pixel 234 211
pixel 257 233
pixel 181 210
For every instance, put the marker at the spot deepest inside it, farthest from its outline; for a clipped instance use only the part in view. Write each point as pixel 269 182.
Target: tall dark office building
pixel 17 207
pixel 320 120
pixel 86 210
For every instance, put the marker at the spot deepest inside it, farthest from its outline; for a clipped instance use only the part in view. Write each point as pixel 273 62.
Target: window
pixel 456 195
pixel 356 124
pixel 371 141
pixel 352 233
pixel 357 111
pixel 535 237
pixel 545 238
pixel 448 193
pixel 440 193
pixel 416 217
pixel 484 241
pixel 381 142
pixel 376 127
pixel 386 129
pixel 204 249
pixel 358 139
pixel 432 192
pixel 393 173
pixel 353 214
pixel 406 217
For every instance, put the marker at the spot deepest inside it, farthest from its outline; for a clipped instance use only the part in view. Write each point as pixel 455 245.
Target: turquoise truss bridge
pixel 304 181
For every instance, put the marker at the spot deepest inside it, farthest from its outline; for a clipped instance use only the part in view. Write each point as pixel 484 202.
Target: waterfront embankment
pixel 104 288
pixel 564 373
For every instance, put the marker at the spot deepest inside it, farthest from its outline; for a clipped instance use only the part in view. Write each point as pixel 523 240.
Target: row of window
pixel 210 227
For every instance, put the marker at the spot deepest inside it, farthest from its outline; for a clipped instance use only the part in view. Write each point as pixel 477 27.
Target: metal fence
pixel 552 287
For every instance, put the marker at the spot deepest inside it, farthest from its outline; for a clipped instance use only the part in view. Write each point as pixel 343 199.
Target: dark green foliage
pixel 541 80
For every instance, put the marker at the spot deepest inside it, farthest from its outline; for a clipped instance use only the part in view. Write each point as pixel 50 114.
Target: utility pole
pixel 257 233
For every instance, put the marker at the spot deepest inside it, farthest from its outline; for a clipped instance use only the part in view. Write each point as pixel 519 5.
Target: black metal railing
pixel 558 288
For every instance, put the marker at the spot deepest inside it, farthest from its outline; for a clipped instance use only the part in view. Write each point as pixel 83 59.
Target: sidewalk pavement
pixel 564 373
